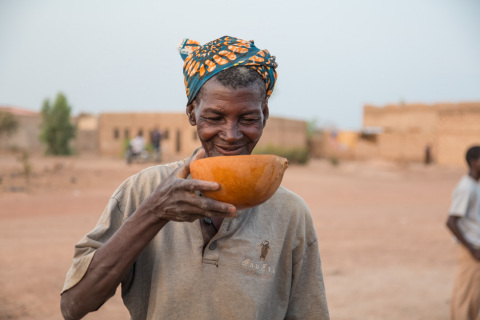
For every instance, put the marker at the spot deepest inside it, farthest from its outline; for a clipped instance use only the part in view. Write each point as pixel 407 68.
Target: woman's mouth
pixel 230 150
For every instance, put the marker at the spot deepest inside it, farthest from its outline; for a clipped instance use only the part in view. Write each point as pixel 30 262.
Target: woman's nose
pixel 231 133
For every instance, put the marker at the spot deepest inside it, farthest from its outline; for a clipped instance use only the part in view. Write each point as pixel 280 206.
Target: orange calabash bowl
pixel 245 181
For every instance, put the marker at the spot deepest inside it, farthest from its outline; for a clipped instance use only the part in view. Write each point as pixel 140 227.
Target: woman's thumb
pixel 184 170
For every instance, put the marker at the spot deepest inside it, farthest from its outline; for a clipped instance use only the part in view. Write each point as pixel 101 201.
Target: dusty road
pixel 386 253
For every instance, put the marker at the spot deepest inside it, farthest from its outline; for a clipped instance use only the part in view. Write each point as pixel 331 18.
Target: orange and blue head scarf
pixel 203 62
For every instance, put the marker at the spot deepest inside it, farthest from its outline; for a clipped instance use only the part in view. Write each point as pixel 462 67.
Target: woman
pixel 258 263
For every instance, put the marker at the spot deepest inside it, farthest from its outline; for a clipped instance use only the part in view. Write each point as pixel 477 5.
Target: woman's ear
pixel 265 112
pixel 191 112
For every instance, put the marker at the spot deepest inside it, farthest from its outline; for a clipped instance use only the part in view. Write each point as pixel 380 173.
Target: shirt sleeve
pixel 307 297
pixel 109 222
pixel 460 200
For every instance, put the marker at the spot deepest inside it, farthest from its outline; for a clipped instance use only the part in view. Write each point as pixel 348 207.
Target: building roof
pixel 18 111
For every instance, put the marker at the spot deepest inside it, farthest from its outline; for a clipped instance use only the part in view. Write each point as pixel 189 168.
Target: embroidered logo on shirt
pixel 264 250
pixel 261 270
pixel 258 267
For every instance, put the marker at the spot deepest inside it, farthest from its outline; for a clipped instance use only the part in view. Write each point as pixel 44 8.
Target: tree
pixel 57 131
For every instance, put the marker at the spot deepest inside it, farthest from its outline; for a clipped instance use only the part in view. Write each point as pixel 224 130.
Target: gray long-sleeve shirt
pixel 262 264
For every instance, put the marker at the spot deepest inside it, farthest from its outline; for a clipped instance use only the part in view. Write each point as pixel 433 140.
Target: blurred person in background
pixel 178 255
pixel 156 139
pixel 136 148
pixel 138 144
pixel 428 154
pixel 464 223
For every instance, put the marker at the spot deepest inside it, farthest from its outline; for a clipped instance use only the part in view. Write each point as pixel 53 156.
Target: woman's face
pixel 229 121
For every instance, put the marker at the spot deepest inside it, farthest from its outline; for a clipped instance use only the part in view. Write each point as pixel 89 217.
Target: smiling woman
pixel 264 258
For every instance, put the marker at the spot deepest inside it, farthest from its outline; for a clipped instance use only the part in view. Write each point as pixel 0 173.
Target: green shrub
pixel 294 155
pixel 56 128
pixel 149 148
pixel 125 145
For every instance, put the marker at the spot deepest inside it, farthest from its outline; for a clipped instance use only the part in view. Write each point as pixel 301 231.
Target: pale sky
pixel 334 56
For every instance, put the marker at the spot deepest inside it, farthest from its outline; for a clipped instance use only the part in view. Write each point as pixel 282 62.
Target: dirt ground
pixel 386 252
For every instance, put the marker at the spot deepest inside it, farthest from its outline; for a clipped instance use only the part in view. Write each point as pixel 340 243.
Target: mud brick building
pixel 108 133
pixel 403 132
pixel 86 138
pixel 458 128
pixel 26 136
pixel 399 132
pixel 179 138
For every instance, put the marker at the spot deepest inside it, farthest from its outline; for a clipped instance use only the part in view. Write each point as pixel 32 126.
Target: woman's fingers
pixel 184 170
pixel 179 202
pixel 206 206
pixel 200 185
pixel 192 212
pixel 212 207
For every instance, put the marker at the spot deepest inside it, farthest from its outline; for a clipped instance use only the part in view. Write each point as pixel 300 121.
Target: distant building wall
pixel 283 132
pixel 406 130
pixel 179 137
pixel 458 129
pixel 367 148
pixel 340 144
pixel 107 133
pixel 86 138
pixel 26 136
pixel 411 118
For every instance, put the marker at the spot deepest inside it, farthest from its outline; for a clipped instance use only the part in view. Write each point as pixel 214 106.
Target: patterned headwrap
pixel 203 62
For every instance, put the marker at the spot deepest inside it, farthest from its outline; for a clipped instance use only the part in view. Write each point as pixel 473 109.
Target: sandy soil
pixel 386 253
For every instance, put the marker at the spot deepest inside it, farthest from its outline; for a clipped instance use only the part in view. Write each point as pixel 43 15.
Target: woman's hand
pixel 174 199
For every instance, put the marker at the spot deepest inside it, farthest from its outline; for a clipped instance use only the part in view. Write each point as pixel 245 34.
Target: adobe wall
pixel 106 134
pixel 406 146
pixel 334 144
pixel 286 133
pixel 406 118
pixel 407 129
pixel 26 137
pixel 318 145
pixel 86 137
pixel 458 129
pixel 179 137
pixel 366 150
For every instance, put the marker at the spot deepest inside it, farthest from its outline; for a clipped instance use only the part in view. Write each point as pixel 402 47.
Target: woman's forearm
pixel 109 265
